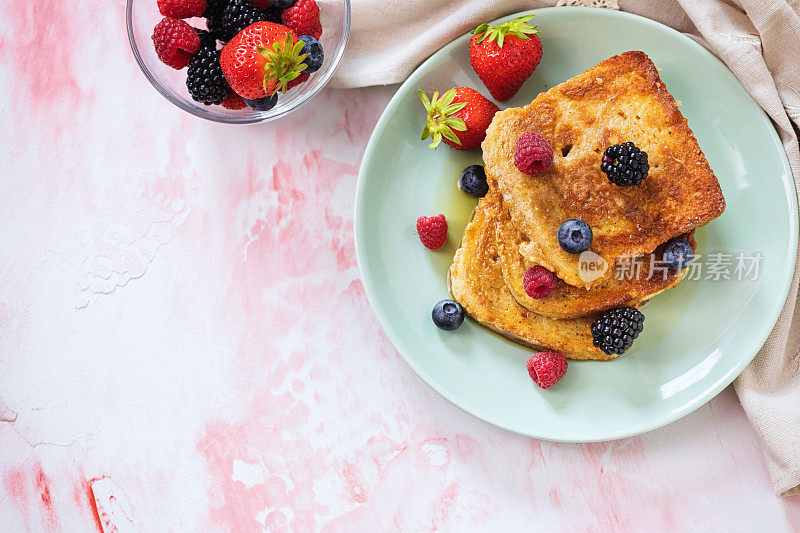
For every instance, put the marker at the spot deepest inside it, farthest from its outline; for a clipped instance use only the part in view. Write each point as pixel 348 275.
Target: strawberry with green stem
pixel 459 117
pixel 504 56
pixel 262 59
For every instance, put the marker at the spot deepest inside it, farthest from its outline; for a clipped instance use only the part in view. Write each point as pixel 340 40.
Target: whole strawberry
pixel 505 56
pixel 460 117
pixel 262 59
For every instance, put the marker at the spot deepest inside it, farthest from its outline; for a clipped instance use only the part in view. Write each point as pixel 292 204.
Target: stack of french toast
pixel 516 224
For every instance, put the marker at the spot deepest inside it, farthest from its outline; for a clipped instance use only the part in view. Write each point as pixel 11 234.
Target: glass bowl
pixel 142 16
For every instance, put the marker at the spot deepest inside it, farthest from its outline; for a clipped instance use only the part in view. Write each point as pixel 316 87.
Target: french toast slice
pixel 476 282
pixel 621 99
pixel 636 280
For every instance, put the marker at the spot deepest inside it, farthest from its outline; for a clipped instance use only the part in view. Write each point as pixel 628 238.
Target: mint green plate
pixel 698 337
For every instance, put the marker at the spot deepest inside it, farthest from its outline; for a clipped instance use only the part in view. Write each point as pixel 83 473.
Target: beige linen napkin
pixel 758 39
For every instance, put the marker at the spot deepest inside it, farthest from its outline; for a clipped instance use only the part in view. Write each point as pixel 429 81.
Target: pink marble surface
pixel 185 344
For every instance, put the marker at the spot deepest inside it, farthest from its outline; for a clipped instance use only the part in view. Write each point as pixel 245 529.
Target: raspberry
pixel 532 155
pixel 539 282
pixel 302 78
pixel 181 9
pixel 233 101
pixel 175 42
pixel 303 18
pixel 546 368
pixel 432 231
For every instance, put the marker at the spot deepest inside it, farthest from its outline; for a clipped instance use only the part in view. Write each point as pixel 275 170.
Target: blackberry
pixel 206 38
pixel 214 24
pixel 239 14
pixel 625 164
pixel 204 78
pixel 614 330
pixel 213 16
pixel 214 7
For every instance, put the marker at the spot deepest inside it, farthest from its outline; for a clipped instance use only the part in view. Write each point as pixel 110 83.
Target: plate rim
pixel 698 400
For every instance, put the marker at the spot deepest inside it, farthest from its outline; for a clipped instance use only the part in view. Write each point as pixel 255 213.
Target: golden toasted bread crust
pixel 476 282
pixel 621 99
pixel 637 279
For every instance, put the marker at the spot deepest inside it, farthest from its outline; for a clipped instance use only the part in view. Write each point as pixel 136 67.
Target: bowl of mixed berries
pixel 238 61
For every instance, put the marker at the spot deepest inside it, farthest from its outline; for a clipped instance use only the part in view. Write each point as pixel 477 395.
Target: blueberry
pixel 575 236
pixel 448 315
pixel 473 181
pixel 314 51
pixel 262 104
pixel 677 254
pixel 282 4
